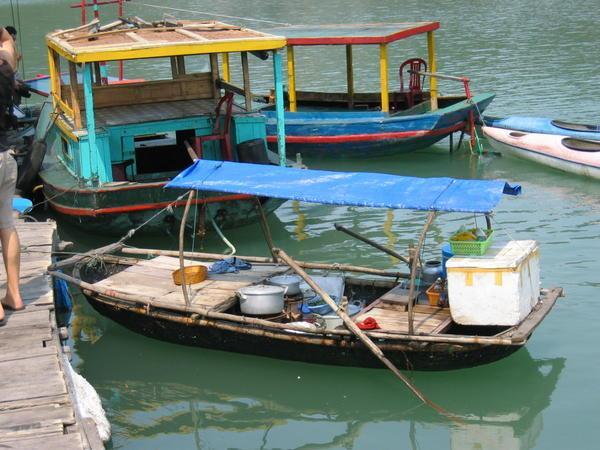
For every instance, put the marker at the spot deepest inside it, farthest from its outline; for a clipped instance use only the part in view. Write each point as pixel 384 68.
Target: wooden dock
pixel 36 407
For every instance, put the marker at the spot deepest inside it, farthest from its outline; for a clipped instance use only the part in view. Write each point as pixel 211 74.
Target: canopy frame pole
pixel 433 90
pixel 291 69
pixel 279 107
pixel 413 271
pixel 383 77
pixel 246 78
pixel 226 67
pixel 88 95
pixel 186 211
pixel 350 76
pixel 358 332
pixel 264 224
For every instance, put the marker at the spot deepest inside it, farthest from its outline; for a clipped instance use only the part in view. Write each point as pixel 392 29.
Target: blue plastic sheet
pixel 344 188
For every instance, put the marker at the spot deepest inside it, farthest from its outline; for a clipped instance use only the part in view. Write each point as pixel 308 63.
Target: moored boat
pixel 393 120
pixel 141 294
pixel 112 146
pixel 569 154
pixel 544 125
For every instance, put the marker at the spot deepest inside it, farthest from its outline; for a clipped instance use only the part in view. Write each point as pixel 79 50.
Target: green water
pixel 541 59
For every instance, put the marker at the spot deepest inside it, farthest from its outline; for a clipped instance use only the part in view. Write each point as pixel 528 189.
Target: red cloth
pixel 368 324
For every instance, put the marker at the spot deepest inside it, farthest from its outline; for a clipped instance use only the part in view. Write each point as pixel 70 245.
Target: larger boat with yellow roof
pixel 111 148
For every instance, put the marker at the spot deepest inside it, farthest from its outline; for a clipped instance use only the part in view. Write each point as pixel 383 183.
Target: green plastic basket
pixel 471 248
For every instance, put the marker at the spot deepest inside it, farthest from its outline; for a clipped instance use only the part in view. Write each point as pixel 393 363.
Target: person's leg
pixel 11 253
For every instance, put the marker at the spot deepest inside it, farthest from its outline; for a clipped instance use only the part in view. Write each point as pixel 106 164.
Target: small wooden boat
pixel 111 146
pixel 393 120
pixel 543 125
pixel 569 154
pixel 141 294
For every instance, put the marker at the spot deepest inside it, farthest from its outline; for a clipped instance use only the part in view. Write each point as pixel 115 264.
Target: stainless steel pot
pixel 291 282
pixel 261 299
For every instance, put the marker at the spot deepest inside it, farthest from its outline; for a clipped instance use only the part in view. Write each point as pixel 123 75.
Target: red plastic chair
pixel 415 82
pixel 219 134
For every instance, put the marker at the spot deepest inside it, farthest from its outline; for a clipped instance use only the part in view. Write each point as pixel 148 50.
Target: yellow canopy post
pixel 291 68
pixel 383 76
pixel 226 67
pixel 433 69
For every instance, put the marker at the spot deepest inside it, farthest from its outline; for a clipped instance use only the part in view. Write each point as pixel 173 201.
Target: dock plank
pixel 36 409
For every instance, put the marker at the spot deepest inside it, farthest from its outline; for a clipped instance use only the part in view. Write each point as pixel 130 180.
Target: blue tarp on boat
pixel 344 188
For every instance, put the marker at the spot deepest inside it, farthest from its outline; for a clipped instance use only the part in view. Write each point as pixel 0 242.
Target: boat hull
pixel 115 209
pixel 545 149
pixel 542 125
pixel 405 355
pixel 371 133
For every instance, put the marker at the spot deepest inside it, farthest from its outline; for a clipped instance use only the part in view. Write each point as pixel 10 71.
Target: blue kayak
pixel 544 126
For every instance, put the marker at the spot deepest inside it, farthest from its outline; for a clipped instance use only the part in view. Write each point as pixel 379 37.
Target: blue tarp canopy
pixel 376 190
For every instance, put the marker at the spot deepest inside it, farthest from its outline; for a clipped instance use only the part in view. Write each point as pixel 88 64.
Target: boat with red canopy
pixel 393 120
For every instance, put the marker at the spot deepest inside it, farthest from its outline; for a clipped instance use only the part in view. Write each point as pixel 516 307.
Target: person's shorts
pixel 8 181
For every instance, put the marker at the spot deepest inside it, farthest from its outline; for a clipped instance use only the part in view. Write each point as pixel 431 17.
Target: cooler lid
pixel 502 255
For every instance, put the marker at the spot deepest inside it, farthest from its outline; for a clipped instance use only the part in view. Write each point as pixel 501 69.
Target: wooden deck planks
pixel 153 277
pixel 427 319
pixel 36 410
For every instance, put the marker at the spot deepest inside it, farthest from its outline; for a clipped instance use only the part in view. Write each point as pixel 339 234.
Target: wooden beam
pixel 291 68
pixel 180 65
pixel 97 74
pixel 246 78
pixel 432 68
pixel 383 77
pixel 74 97
pixel 54 69
pixel 350 76
pixel 214 70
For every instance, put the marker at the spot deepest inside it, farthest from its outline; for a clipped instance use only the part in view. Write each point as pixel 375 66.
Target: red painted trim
pixel 340 139
pixel 89 212
pixel 358 40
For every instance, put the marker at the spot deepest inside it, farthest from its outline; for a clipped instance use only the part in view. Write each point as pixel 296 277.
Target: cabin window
pixel 65 149
pixel 162 153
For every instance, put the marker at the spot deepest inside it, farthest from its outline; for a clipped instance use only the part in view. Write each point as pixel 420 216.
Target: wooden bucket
pixel 193 275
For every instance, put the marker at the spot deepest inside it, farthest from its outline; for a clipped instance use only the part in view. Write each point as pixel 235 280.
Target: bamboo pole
pixel 262 259
pixel 372 243
pixel 349 76
pixel 186 211
pixel 359 333
pixel 413 271
pixel 246 79
pixel 265 228
pixel 116 246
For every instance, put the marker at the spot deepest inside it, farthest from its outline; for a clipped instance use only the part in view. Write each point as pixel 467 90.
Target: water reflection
pixel 206 399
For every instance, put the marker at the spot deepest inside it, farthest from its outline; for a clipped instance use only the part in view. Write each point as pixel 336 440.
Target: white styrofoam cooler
pixel 498 288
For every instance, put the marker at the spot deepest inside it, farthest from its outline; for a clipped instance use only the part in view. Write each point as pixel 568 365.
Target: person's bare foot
pixel 9 302
pixel 1 315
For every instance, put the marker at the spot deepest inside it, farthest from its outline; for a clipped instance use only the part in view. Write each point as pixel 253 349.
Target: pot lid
pixel 262 289
pixel 285 279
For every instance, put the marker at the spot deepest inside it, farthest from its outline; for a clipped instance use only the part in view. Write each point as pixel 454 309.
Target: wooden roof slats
pixel 130 41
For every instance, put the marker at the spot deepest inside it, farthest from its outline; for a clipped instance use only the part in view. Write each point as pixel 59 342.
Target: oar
pixel 359 333
pixel 372 243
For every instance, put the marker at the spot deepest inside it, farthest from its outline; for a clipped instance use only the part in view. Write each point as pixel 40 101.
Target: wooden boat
pixel 111 147
pixel 141 295
pixel 569 154
pixel 365 124
pixel 543 125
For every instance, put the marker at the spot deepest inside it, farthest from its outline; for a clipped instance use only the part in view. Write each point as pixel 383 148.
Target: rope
pixel 189 11
pixel 222 236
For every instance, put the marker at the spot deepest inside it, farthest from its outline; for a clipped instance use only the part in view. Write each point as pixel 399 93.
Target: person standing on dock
pixel 11 251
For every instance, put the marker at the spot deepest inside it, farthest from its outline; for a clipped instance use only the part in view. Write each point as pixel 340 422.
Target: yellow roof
pixel 188 37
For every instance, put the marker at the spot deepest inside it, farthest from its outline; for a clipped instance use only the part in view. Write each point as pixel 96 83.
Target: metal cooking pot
pixel 261 299
pixel 291 282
